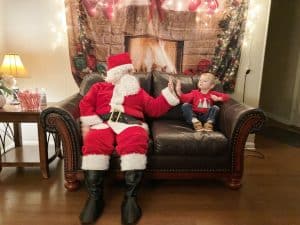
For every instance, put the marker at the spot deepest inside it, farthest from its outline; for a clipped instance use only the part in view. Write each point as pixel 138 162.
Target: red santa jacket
pixel 127 96
pixel 201 102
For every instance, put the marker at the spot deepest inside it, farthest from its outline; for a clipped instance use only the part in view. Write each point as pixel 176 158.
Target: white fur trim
pixel 114 74
pixel 95 162
pixel 90 120
pixel 117 99
pixel 171 99
pixel 145 126
pixel 127 85
pixel 133 161
pixel 119 127
pixel 119 108
pixel 100 126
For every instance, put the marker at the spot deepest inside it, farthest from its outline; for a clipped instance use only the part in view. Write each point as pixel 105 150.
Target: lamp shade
pixel 12 65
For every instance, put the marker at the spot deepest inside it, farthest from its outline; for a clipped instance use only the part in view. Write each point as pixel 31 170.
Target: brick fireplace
pixel 151 53
pixel 195 37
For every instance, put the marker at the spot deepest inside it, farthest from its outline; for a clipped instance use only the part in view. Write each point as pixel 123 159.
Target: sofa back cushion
pixel 89 80
pixel 160 81
pixel 145 80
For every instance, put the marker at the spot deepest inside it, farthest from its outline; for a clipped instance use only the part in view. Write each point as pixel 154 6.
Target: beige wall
pixel 280 94
pixel 1 32
pixel 253 54
pixel 27 29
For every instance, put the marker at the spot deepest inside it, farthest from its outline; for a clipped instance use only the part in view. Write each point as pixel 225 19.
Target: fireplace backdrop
pixel 173 36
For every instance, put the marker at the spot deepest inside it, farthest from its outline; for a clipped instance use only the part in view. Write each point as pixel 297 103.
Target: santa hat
pixel 118 65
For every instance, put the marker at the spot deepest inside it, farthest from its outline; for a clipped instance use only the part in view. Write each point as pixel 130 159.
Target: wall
pixel 253 52
pixel 1 32
pixel 248 87
pixel 28 28
pixel 280 94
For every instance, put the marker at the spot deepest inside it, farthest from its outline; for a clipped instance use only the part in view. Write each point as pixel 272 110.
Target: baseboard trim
pixel 250 145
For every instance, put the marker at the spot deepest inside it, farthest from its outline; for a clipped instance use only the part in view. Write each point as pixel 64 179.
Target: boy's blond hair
pixel 211 76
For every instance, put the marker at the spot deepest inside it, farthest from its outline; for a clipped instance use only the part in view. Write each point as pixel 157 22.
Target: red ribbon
pixel 156 5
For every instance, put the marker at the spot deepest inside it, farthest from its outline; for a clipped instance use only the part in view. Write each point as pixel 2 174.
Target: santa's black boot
pixel 94 204
pixel 131 211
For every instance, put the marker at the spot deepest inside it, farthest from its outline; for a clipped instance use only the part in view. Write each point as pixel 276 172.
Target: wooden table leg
pixel 17 134
pixel 43 149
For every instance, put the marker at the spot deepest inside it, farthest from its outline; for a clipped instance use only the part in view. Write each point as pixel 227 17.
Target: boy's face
pixel 206 82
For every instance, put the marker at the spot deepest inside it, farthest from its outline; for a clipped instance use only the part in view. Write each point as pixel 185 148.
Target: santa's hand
pixel 171 86
pixel 216 98
pixel 178 88
pixel 84 130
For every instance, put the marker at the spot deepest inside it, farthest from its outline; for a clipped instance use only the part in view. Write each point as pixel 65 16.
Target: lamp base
pixel 15 100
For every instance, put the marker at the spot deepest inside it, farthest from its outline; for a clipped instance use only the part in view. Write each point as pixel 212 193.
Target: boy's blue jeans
pixel 210 115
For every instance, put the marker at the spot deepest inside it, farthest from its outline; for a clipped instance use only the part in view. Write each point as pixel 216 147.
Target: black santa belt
pixel 117 116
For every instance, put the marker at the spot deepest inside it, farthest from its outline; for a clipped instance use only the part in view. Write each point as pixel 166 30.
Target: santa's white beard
pixel 113 78
pixel 126 83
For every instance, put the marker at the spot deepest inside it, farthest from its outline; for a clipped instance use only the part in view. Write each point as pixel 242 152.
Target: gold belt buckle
pixel 112 114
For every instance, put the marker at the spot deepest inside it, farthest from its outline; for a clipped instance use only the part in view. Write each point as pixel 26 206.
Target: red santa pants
pixel 131 144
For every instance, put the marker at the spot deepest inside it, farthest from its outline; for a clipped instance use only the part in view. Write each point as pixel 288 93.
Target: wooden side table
pixel 20 155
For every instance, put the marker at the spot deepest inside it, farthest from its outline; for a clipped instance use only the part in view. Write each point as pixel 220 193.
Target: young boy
pixel 199 105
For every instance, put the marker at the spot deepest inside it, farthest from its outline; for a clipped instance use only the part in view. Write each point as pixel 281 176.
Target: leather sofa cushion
pixel 171 137
pixel 145 80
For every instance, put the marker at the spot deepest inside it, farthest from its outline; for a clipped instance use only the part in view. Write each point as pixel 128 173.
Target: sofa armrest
pixel 237 121
pixel 236 117
pixel 61 118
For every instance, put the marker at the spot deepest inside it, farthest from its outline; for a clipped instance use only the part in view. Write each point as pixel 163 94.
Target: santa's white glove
pixel 171 87
pixel 178 87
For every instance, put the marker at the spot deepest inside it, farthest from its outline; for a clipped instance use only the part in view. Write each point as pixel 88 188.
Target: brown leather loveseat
pixel 175 150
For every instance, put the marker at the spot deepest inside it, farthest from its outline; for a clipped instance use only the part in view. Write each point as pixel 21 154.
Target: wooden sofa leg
pixel 72 183
pixel 233 183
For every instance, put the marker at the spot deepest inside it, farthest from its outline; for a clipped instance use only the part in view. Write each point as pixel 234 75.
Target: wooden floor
pixel 270 195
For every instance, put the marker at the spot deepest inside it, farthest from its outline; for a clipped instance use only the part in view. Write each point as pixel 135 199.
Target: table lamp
pixel 12 65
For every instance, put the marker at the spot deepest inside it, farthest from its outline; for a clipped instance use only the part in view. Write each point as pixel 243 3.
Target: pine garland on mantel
pixel 226 60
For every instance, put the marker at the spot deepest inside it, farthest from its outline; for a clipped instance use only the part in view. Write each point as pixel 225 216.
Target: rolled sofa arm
pixel 235 115
pixel 62 119
pixel 237 121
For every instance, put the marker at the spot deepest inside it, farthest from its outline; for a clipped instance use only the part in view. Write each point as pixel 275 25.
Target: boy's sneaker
pixel 208 127
pixel 198 126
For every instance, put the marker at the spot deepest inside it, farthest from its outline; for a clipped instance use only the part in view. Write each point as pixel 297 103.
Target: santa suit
pixel 124 94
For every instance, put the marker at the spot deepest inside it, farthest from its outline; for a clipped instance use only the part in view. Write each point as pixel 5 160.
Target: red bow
pixel 156 5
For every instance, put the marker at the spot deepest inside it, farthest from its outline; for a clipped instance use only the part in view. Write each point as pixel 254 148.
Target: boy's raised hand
pixel 178 87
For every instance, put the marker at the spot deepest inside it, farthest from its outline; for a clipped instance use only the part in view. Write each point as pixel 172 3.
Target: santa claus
pixel 112 117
